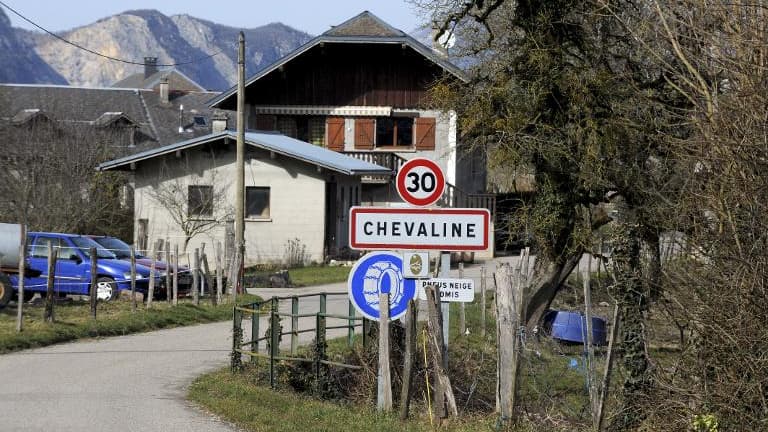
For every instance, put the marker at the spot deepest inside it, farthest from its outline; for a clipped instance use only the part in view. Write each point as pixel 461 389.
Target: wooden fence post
pixel 505 339
pixel 168 272
pixel 482 301
pixel 510 292
pixel 219 274
pixel 410 349
pixel 462 307
pixel 52 255
pixel 207 279
pixel 384 393
pixel 608 366
pixel 133 279
pixel 591 383
pixel 196 278
pixel 22 272
pixel 94 282
pixel 151 289
pixel 444 400
pixel 176 274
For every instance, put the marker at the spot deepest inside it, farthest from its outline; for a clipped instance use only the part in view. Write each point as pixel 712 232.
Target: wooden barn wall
pixel 349 75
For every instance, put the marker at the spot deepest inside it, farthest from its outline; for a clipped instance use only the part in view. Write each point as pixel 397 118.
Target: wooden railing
pixel 452 197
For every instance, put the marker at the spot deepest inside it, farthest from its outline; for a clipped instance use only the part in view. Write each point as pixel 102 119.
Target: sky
pixel 311 16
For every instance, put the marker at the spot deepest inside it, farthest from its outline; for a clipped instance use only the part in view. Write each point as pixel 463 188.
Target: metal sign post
pixel 445 307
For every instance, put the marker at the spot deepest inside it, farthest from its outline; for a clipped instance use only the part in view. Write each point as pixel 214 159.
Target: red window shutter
pixel 266 122
pixel 424 133
pixel 334 127
pixel 364 133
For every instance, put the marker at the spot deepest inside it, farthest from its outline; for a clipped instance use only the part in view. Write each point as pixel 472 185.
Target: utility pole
pixel 240 168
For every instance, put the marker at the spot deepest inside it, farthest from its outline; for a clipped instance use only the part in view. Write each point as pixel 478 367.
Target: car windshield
pixel 85 244
pixel 118 247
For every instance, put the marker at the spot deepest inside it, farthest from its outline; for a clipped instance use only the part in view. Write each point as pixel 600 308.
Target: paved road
pixel 136 382
pixel 128 383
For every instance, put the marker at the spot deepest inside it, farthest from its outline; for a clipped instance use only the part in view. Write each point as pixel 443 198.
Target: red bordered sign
pixel 445 229
pixel 420 182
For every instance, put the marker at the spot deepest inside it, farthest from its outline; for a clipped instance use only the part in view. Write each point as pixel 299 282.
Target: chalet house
pixel 297 195
pixel 361 89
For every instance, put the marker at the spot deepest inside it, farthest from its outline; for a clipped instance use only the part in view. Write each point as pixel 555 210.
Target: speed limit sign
pixel 420 182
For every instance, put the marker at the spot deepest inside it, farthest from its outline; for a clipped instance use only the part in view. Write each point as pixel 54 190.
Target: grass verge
pixel 319 275
pixel 113 319
pixel 257 408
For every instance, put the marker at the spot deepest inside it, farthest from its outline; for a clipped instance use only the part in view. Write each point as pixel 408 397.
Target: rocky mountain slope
pixel 19 63
pixel 133 35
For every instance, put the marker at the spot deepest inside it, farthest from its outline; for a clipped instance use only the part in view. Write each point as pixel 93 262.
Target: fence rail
pixel 257 309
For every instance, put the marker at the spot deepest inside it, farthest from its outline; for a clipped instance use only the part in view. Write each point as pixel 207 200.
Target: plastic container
pixel 571 327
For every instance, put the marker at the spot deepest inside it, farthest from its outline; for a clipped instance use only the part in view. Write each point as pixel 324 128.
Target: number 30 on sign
pixel 420 182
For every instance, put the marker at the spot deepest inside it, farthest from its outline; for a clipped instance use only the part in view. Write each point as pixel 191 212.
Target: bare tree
pixel 194 208
pixel 49 181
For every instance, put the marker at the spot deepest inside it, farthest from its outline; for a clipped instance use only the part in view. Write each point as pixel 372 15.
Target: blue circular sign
pixel 377 273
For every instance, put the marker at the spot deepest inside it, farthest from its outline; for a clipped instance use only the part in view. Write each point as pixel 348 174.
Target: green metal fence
pixel 271 309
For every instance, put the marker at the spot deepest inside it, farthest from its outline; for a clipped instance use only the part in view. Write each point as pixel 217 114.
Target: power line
pixel 98 53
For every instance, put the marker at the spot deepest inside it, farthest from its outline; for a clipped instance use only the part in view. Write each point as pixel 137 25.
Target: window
pixel 200 201
pixel 199 121
pixel 304 128
pixel 394 132
pixel 40 248
pixel 257 202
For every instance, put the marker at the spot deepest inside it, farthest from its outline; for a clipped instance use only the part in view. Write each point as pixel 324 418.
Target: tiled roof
pixel 271 141
pixel 158 122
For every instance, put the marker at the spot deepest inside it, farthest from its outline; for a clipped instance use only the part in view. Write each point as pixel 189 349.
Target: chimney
pixel 164 91
pixel 150 66
pixel 219 122
pixel 437 45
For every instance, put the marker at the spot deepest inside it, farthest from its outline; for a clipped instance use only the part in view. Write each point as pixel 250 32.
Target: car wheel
pixel 6 290
pixel 106 288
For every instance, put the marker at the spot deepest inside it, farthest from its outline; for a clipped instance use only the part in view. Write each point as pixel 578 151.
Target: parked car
pixel 122 250
pixel 73 267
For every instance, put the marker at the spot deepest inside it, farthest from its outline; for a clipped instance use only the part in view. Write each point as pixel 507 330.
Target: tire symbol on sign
pixel 380 273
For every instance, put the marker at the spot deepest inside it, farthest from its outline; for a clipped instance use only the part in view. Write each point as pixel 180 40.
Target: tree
pixel 565 89
pixel 195 209
pixel 49 180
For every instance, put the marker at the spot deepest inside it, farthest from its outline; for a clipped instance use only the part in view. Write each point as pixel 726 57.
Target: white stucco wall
pixel 297 200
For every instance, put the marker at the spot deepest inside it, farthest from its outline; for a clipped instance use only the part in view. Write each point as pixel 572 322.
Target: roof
pixel 177 81
pixel 270 141
pixel 364 28
pixel 157 122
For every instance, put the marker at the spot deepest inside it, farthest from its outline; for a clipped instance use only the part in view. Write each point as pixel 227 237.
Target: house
pixel 101 124
pixel 297 195
pixel 361 88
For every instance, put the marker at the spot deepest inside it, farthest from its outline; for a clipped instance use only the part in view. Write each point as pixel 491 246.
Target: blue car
pixel 73 267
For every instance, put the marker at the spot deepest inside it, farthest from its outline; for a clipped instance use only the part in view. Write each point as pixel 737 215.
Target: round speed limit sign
pixel 420 182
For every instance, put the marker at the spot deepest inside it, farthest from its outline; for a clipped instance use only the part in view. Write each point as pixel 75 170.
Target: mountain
pixel 204 51
pixel 18 61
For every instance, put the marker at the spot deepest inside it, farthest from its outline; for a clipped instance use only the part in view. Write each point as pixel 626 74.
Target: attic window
pixel 200 121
